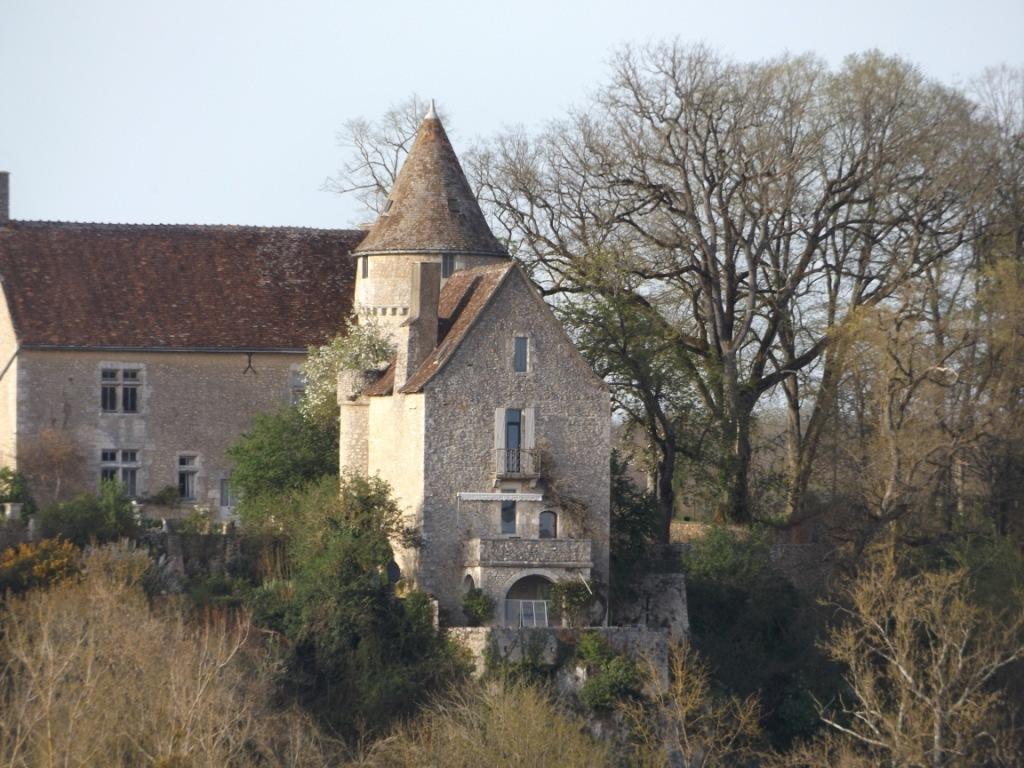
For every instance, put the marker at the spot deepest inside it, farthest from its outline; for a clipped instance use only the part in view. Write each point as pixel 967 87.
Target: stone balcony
pixel 526 553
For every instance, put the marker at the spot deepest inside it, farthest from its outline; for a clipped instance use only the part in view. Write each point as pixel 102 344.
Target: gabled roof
pixel 431 208
pixel 463 299
pixel 130 286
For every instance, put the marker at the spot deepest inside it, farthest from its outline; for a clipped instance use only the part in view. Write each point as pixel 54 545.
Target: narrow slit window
pixel 365 266
pixel 447 264
pixel 521 354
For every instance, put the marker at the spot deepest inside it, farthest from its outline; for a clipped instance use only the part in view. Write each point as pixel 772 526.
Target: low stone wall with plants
pixel 553 649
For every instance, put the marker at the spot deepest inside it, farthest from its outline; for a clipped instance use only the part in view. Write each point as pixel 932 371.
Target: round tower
pixel 431 215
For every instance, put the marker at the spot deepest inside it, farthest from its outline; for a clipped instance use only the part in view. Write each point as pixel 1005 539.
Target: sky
pixel 223 112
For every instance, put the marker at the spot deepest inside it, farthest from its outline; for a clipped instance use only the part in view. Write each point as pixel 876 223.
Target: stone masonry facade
pixel 435 425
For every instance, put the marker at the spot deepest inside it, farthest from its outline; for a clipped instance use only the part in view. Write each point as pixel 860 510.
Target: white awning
pixel 466 496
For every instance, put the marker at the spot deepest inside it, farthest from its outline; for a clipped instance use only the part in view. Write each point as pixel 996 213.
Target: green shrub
pixel 478 607
pixel 281 452
pixel 215 591
pixel 13 487
pixel 87 518
pixel 612 678
pixel 571 600
pixel 357 655
pixel 196 521
pixel 38 565
pixel 757 633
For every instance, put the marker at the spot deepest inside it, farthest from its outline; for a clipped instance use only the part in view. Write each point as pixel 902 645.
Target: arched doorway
pixel 526 602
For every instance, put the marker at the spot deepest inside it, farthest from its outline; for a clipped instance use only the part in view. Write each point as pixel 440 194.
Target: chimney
pixel 5 197
pixel 417 336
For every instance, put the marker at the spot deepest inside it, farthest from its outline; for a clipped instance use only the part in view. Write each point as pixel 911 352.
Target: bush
pixel 612 678
pixel 94 676
pixel 357 656
pixel 756 632
pixel 197 522
pixel 281 452
pixel 633 531
pixel 503 724
pixel 87 518
pixel 571 600
pixel 37 565
pixel 13 487
pixel 478 607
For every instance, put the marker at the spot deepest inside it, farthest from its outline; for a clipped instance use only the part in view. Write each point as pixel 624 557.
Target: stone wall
pixel 808 566
pixel 189 403
pixel 553 647
pixel 572 426
pixel 384 296
pixel 659 603
pixel 8 387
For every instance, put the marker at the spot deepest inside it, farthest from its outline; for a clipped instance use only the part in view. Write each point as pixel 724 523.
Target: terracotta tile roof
pixel 462 300
pixel 385 385
pixel 175 286
pixel 431 207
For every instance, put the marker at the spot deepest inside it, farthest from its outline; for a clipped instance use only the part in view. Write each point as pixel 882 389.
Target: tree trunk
pixel 738 406
pixel 665 492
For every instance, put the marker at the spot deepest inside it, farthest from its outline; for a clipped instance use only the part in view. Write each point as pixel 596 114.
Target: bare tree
pixel 49 459
pixel 747 211
pixel 376 150
pixel 921 660
pixel 682 722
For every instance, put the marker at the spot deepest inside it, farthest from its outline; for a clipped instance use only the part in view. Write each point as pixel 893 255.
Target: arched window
pixel 467 583
pixel 548 525
pixel 394 572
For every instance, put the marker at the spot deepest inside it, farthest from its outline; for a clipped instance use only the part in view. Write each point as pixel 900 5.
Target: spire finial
pixel 432 112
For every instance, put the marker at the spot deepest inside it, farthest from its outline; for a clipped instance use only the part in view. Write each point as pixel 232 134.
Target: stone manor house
pixel 151 347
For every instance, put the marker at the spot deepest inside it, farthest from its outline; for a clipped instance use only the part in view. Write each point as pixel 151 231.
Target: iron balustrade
pixel 514 461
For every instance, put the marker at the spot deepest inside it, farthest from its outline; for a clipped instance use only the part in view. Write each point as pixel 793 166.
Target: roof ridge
pixel 165 225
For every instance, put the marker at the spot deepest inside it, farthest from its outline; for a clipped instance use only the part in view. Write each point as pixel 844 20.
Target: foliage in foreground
pixel 357 656
pixel 682 722
pixel 94 676
pixel 89 518
pixel 38 564
pixel 922 659
pixel 501 724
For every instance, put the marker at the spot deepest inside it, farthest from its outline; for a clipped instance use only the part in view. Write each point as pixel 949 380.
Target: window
pixel 187 477
pixel 298 386
pixel 121 465
pixel 366 266
pixel 119 390
pixel 447 264
pixel 508 517
pixel 548 525
pixel 228 499
pixel 514 440
pixel 522 346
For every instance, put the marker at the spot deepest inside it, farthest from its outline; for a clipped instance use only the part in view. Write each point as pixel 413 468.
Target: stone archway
pixel 526 601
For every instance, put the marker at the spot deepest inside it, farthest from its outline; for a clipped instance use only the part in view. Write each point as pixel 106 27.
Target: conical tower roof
pixel 431 208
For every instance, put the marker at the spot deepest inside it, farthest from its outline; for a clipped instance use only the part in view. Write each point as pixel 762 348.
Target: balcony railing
pixel 513 552
pixel 515 462
pixel 526 613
